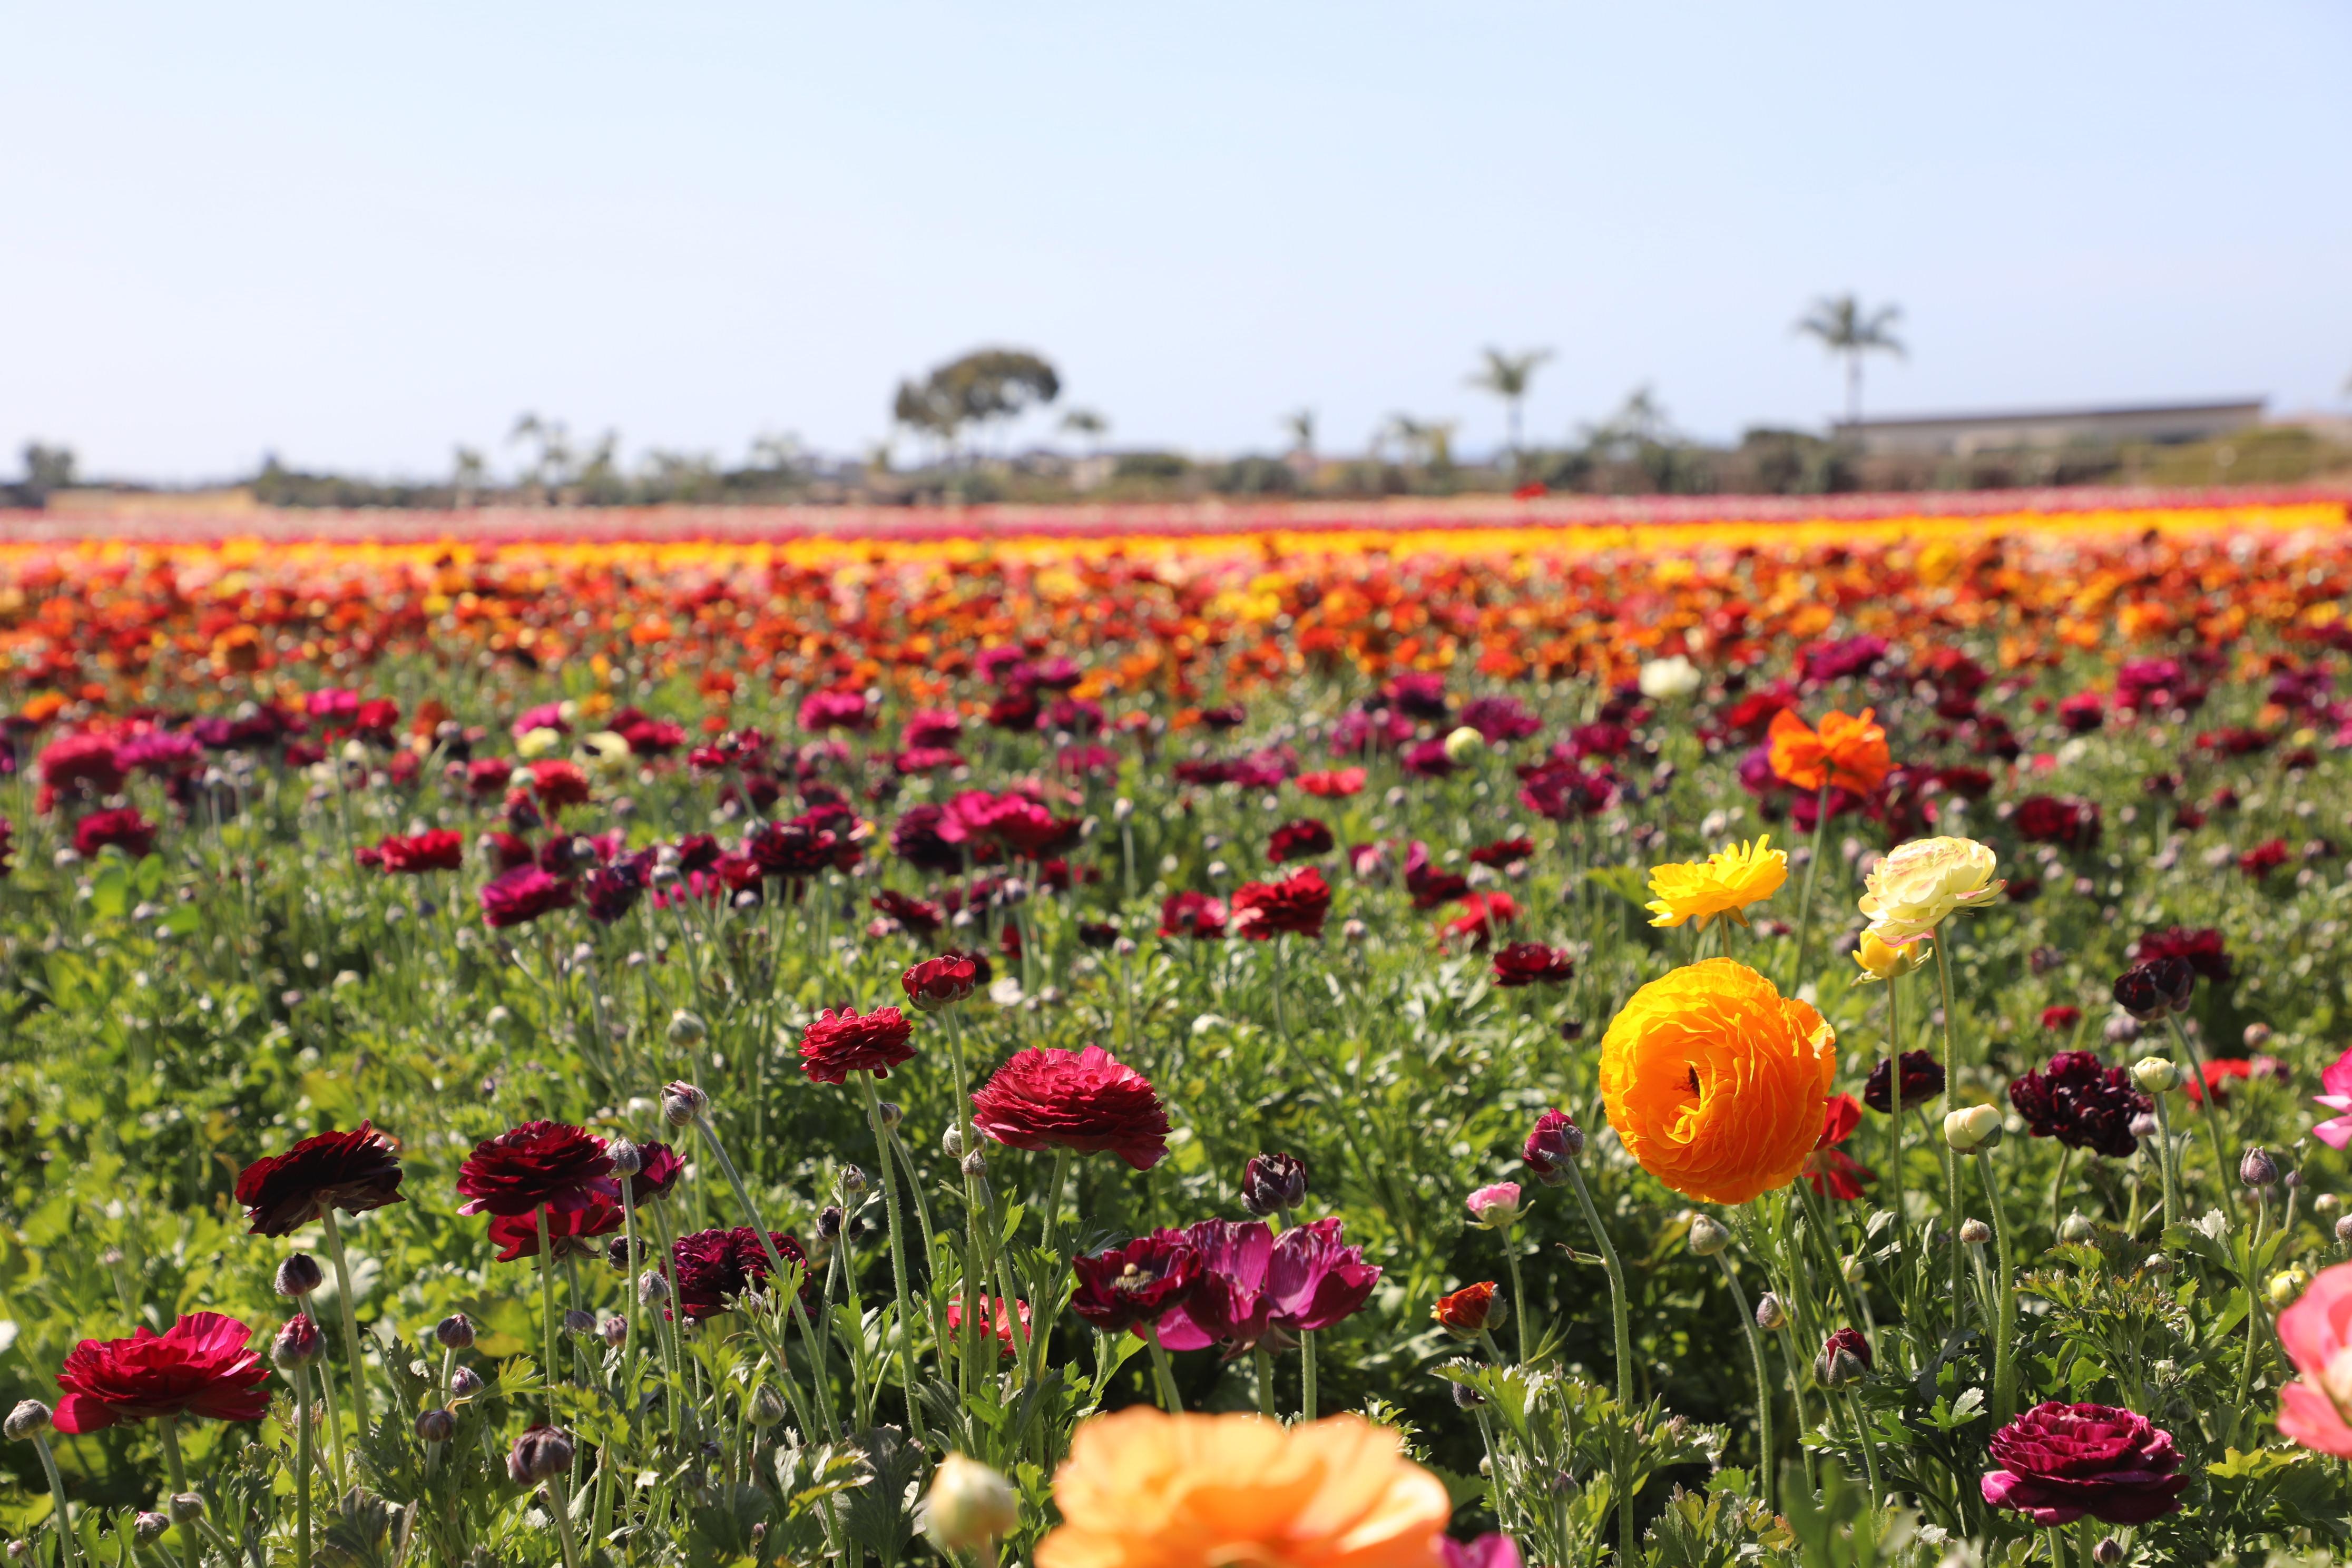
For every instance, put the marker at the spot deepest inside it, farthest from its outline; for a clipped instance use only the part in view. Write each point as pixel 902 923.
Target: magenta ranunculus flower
pixel 514 897
pixel 2058 1462
pixel 1497 1207
pixel 1253 1283
pixel 1085 1100
pixel 2318 1333
pixel 2335 1079
pixel 1128 1286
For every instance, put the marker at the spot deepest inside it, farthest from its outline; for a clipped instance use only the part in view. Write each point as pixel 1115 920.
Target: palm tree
pixel 1300 423
pixel 1844 327
pixel 1506 376
pixel 1086 421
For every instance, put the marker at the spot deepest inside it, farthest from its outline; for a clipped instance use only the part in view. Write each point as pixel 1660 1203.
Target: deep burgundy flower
pixel 440 849
pixel 1302 839
pixel 792 851
pixel 203 1365
pixel 1560 792
pixel 835 1045
pixel 354 1172
pixel 1531 962
pixel 1085 1100
pixel 1193 915
pixel 1129 1287
pixel 940 982
pixel 1417 695
pixel 1853 1343
pixel 1427 759
pixel 916 917
pixel 2081 1104
pixel 2264 858
pixel 123 827
pixel 1273 1181
pixel 513 898
pixel 2058 1462
pixel 2069 824
pixel 2150 990
pixel 612 892
pixel 569 1231
pixel 1551 1144
pixel 1297 904
pixel 1501 719
pixel 659 1169
pixel 2204 951
pixel 550 1163
pixel 714 1267
pixel 926 837
pixel 1923 1080
pixel 1503 851
pixel 1430 886
pixel 1253 1284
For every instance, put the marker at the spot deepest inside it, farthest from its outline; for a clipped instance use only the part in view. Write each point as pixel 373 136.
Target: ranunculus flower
pixel 2058 1462
pixel 122 828
pixel 1531 963
pixel 1716 1082
pixel 569 1231
pixel 2081 1103
pixel 203 1365
pixel 1501 852
pixel 991 1319
pixel 86 763
pixel 1128 1286
pixel 1551 1144
pixel 1298 903
pixel 1725 884
pixel 2318 1333
pixel 1492 1550
pixel 1923 1080
pixel 2061 1017
pixel 2205 950
pixel 514 897
pixel 2047 819
pixel 659 1170
pixel 1466 1311
pixel 1831 1171
pixel 835 1045
pixel 2150 990
pixel 1300 840
pixel 1483 915
pixel 1338 781
pixel 714 1267
pixel 2336 1085
pixel 354 1172
pixel 1084 1100
pixel 439 849
pixel 1193 915
pixel 1253 1282
pixel 550 1165
pixel 1848 752
pixel 1879 960
pixel 940 982
pixel 1922 884
pixel 916 917
pixel 1495 1206
pixel 835 710
pixel 1145 1490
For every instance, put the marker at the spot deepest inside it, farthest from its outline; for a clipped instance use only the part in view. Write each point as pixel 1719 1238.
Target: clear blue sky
pixel 358 234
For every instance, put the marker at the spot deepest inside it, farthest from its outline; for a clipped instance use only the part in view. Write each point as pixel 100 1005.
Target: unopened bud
pixel 1973 1128
pixel 1463 744
pixel 627 1157
pixel 297 1344
pixel 2108 1553
pixel 454 1331
pixel 2285 1285
pixel 538 1454
pixel 1272 1183
pixel 577 1321
pixel 2155 1263
pixel 1975 1232
pixel 975 1163
pixel 1770 1315
pixel 2144 1124
pixel 951 1142
pixel 890 1111
pixel 1466 1397
pixel 767 1406
pixel 1850 1269
pixel 682 1103
pixel 2156 1075
pixel 2256 1168
pixel 1840 1366
pixel 849 1182
pixel 435 1425
pixel 687 1029
pixel 298 1275
pixel 2325 1204
pixel 29 1419
pixel 2344 1229
pixel 613 1331
pixel 969 1505
pixel 828 1221
pixel 465 1383
pixel 147 1527
pixel 185 1507
pixel 2077 1228
pixel 653 1289
pixel 1708 1235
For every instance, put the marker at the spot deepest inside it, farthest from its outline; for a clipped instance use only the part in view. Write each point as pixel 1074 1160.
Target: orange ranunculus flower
pixel 1846 751
pixel 1145 1490
pixel 1717 1083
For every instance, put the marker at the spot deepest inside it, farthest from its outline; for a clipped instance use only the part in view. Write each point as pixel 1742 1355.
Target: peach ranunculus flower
pixel 1717 1083
pixel 1725 883
pixel 1146 1490
pixel 2318 1333
pixel 1920 885
pixel 1847 752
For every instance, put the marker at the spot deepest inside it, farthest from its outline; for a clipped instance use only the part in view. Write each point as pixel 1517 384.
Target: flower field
pixel 1686 1040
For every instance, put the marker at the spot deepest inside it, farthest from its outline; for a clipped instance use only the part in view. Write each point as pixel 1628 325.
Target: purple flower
pixel 2058 1462
pixel 1253 1283
pixel 2081 1104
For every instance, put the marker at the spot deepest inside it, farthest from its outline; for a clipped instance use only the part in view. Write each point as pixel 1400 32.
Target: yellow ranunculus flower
pixel 1145 1490
pixel 537 743
pixel 1725 883
pixel 1884 961
pixel 1924 883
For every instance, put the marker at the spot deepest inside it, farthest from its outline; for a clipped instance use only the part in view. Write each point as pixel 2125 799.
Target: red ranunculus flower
pixel 2061 1017
pixel 2204 951
pixel 2218 1071
pixel 838 1044
pixel 2069 824
pixel 1085 1100
pixel 550 1163
pixel 2264 858
pixel 1338 781
pixel 122 828
pixel 1298 903
pixel 1467 1310
pixel 1482 914
pixel 441 849
pixel 716 1265
pixel 1832 1171
pixel 993 1318
pixel 1192 914
pixel 86 763
pixel 1300 840
pixel 2058 1462
pixel 513 898
pixel 659 1169
pixel 916 917
pixel 353 1172
pixel 1532 963
pixel 1502 852
pixel 1128 1286
pixel 569 1231
pixel 559 783
pixel 203 1365
pixel 940 982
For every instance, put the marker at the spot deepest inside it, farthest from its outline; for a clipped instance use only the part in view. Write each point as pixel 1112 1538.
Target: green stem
pixel 1264 1360
pixel 1869 1451
pixel 2209 1095
pixel 66 1553
pixel 177 1469
pixel 1813 876
pixel 1627 1537
pixel 1763 1384
pixel 897 1257
pixel 2004 1364
pixel 352 1323
pixel 1163 1372
pixel 1044 1311
pixel 547 1307
pixel 2254 1312
pixel 1520 1302
pixel 2166 1160
pixel 302 1466
pixel 1306 1411
pixel 1951 1090
pixel 1895 1118
pixel 559 1508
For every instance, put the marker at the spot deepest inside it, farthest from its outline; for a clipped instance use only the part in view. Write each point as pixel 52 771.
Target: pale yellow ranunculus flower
pixel 1922 884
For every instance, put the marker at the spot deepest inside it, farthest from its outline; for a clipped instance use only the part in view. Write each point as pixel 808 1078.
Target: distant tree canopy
pixel 984 385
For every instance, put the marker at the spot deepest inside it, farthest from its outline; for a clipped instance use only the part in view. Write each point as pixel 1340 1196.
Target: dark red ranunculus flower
pixel 792 851
pixel 1298 903
pixel 940 982
pixel 1128 1286
pixel 612 892
pixel 916 917
pixel 550 1163
pixel 559 783
pixel 2058 1462
pixel 1429 885
pixel 1551 1144
pixel 514 897
pixel 716 1265
pixel 1503 851
pixel 1193 915
pixel 1531 963
pixel 506 850
pixel 2047 819
pixel 89 764
pixel 569 1231
pixel 1501 719
pixel 123 827
pixel 2204 951
pixel 203 1365
pixel 1302 839
pixel 838 1044
pixel 441 849
pixel 354 1172
pixel 2081 1104
pixel 2264 858
pixel 658 1170
pixel 1923 1080
pixel 1085 1100
pixel 2149 991
pixel 1418 695
pixel 1851 1340
pixel 1273 1180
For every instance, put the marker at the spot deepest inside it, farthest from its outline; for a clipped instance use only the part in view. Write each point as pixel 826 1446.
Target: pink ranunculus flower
pixel 2318 1333
pixel 2336 1080
pixel 1495 1207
